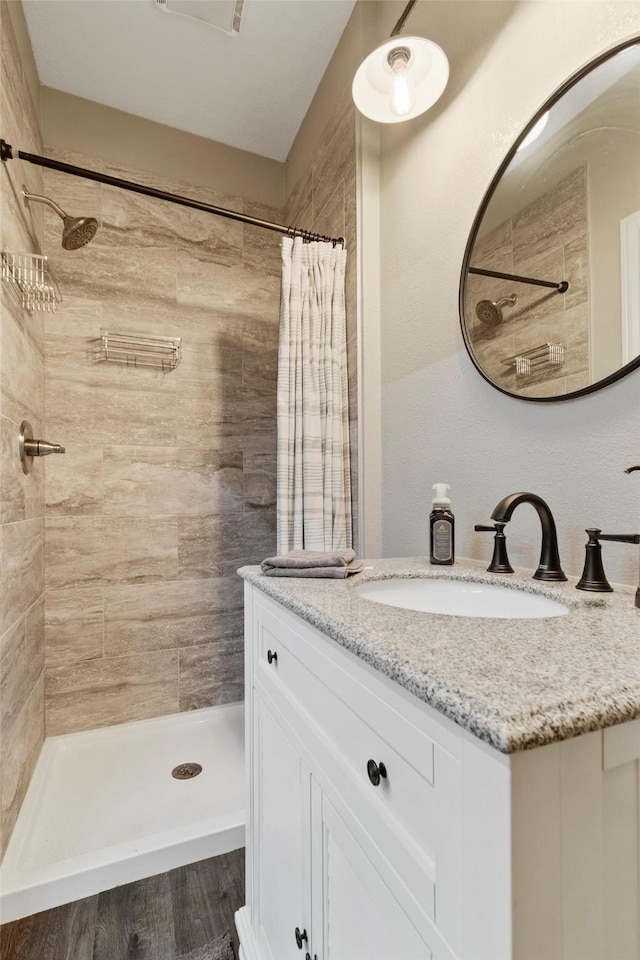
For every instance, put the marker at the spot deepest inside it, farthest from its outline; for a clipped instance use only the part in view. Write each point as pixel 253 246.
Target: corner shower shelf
pixel 164 353
pixel 30 280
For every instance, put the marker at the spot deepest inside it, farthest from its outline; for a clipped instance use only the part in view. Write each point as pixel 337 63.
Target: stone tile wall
pixel 521 245
pixel 21 497
pixel 168 483
pixel 324 201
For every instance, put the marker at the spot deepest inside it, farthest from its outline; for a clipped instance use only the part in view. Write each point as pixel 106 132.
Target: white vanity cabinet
pixel 380 830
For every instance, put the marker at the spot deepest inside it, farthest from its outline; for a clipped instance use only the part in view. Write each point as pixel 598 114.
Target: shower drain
pixel 185 771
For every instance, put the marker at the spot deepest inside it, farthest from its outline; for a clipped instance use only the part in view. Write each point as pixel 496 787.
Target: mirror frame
pixel 549 102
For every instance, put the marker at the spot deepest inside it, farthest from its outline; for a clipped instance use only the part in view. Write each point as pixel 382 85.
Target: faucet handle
pixel 619 537
pixel 499 560
pixel 593 576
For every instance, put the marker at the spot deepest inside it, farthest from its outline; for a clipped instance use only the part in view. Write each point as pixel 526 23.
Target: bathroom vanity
pixel 431 786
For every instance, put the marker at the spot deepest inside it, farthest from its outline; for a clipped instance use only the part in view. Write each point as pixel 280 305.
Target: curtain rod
pixel 7 152
pixel 561 287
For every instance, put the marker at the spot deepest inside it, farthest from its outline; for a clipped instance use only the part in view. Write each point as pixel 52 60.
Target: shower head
pixel 489 312
pixel 76 230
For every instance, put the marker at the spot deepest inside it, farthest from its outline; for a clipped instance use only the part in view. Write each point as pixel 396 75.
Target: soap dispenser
pixel 441 526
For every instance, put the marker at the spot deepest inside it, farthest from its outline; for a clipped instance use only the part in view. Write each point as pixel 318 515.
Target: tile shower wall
pixel 168 484
pixel 521 245
pixel 324 201
pixel 21 497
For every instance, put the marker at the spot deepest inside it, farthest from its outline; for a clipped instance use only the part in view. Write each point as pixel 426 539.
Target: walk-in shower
pixel 104 807
pixel 145 620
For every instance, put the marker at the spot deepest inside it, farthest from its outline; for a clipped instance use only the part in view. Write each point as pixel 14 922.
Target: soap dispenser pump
pixel 441 526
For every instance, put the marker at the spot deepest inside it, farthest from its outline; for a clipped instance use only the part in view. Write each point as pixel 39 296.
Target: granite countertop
pixel 516 684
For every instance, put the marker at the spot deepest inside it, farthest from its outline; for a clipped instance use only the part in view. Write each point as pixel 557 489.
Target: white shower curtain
pixel 314 479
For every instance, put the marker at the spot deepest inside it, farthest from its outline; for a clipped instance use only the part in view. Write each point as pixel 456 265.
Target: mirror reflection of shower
pixel 489 312
pixel 76 231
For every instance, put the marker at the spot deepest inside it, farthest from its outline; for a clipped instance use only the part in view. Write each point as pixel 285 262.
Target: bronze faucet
pixel 549 567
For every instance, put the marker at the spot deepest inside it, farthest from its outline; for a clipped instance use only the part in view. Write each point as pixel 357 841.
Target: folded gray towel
pixel 305 559
pixel 333 573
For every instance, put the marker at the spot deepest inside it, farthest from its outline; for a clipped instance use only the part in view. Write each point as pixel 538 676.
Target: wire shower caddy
pixel 163 353
pixel 29 277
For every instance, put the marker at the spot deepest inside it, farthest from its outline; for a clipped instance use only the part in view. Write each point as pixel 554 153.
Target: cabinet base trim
pixel 248 945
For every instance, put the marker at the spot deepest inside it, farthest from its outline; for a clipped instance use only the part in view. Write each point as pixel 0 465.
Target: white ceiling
pixel 250 90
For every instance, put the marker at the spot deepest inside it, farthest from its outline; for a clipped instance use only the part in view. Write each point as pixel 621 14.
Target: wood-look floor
pixel 161 918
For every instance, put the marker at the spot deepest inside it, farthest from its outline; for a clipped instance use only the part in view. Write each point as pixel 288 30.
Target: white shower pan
pixel 103 808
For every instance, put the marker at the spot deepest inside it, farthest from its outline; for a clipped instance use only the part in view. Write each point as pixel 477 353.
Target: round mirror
pixel 550 286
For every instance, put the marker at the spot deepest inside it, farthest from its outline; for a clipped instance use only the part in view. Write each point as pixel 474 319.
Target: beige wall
pixel 21 397
pixel 168 484
pixel 441 420
pixel 122 139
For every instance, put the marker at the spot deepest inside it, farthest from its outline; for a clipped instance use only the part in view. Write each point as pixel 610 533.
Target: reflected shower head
pixel 76 232
pixel 489 312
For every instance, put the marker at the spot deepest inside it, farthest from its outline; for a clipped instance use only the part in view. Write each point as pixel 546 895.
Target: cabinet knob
pixel 272 656
pixel 301 937
pixel 376 772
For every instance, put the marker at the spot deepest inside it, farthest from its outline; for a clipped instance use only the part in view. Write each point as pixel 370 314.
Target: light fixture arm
pixel 399 27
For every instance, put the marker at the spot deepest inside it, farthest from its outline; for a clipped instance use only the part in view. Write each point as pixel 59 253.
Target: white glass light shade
pixel 375 82
pixel 534 133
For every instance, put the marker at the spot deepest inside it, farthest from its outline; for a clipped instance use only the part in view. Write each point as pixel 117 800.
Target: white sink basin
pixel 460 598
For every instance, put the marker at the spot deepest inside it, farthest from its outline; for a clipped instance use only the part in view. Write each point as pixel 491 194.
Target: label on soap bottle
pixel 442 540
pixel 441 523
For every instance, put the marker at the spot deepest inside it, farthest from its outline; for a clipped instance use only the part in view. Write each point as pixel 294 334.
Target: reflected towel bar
pixel 561 287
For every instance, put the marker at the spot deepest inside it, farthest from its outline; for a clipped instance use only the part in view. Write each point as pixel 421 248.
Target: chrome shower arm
pixel 28 197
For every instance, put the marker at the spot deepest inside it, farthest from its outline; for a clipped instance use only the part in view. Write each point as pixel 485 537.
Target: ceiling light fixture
pixel 400 79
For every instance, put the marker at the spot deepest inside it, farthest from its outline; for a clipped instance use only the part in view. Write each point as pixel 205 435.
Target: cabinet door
pixel 281 849
pixel 362 919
